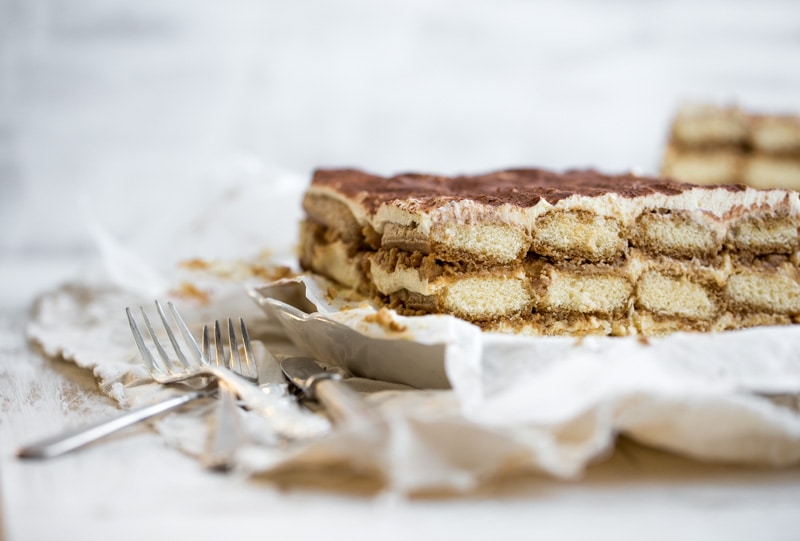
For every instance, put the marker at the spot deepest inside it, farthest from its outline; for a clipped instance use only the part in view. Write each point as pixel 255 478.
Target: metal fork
pixel 227 432
pixel 238 376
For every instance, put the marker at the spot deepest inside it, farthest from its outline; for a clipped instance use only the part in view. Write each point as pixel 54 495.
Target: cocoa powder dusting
pixel 520 187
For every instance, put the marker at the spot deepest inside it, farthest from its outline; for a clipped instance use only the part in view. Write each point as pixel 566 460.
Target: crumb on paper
pixel 271 273
pixel 195 264
pixel 238 269
pixel 643 340
pixel 330 294
pixel 385 319
pixel 188 290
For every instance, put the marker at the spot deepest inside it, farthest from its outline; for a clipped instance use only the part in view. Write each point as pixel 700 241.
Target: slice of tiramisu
pixel 532 251
pixel 725 145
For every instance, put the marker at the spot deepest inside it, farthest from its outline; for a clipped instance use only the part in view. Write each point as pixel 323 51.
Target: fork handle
pixel 343 404
pixel 80 437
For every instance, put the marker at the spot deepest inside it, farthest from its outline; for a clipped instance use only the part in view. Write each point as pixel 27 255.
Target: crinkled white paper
pixel 706 395
pixel 516 404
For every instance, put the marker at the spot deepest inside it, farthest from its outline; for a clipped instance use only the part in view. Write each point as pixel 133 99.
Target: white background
pixel 132 107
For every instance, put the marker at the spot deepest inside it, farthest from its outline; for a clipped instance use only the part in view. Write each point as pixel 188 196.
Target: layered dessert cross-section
pixel 709 144
pixel 544 253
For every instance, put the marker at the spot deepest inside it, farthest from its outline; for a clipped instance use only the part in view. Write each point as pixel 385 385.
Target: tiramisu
pixel 544 253
pixel 726 145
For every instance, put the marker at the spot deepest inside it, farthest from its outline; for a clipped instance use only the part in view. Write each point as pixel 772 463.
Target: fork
pixel 239 377
pixel 226 438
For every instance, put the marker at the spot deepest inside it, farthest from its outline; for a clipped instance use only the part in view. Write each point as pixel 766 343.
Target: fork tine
pixel 181 357
pixel 249 357
pixel 206 346
pixel 220 356
pixel 166 364
pixel 147 356
pixel 233 356
pixel 187 336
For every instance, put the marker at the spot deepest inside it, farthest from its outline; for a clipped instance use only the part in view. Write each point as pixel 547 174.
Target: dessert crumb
pixel 330 294
pixel 271 273
pixel 187 290
pixel 238 270
pixel 195 264
pixel 384 318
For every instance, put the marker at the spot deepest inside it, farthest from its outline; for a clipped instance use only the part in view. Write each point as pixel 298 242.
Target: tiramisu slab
pixel 537 252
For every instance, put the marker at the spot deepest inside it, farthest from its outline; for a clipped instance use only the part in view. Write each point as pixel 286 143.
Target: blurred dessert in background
pixel 710 144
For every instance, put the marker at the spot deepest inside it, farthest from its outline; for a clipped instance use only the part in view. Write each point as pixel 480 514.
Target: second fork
pixel 227 434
